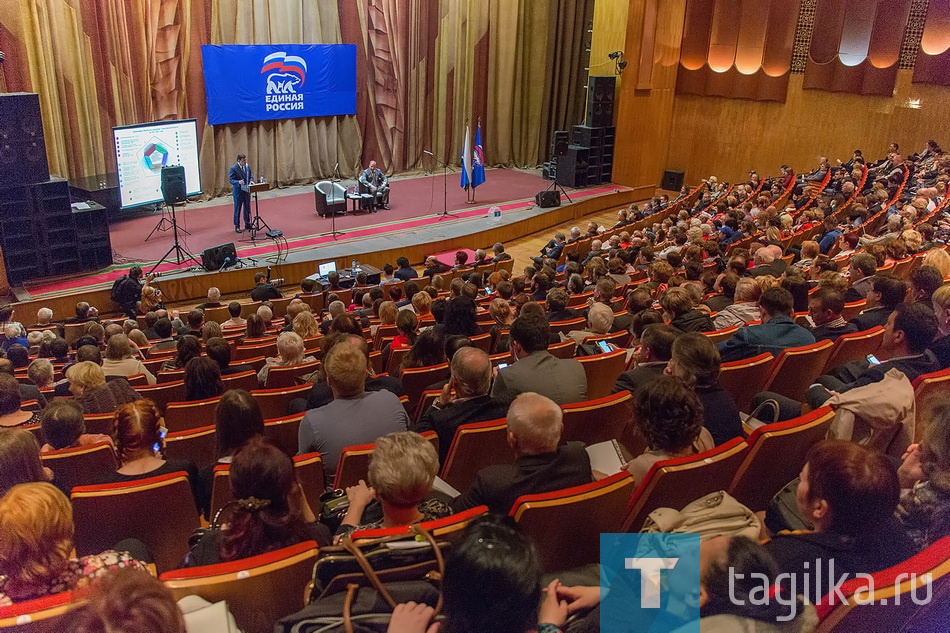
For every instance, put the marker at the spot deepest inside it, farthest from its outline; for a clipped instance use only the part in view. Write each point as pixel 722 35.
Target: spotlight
pixel 615 54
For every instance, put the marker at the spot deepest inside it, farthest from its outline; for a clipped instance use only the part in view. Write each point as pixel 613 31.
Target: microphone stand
pixel 445 185
pixel 335 178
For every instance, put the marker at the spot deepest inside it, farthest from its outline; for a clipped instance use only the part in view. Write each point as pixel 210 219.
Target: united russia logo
pixel 285 75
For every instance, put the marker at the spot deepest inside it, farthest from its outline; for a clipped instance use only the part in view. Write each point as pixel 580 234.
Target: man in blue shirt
pixel 830 236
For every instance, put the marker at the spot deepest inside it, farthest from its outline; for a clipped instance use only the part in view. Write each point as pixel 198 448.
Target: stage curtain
pixel 424 68
pixel 98 64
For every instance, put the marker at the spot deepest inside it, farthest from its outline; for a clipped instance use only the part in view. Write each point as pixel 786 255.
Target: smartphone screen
pixel 604 346
pixel 873 359
pixel 502 365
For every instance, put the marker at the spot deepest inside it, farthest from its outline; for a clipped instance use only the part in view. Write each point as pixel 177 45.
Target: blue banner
pixel 283 81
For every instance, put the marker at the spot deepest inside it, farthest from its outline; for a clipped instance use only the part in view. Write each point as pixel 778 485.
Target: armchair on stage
pixel 329 197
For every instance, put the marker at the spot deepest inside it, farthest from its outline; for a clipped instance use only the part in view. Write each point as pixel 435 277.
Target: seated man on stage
pixel 374 181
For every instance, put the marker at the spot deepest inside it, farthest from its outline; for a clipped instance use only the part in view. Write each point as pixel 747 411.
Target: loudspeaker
pixel 672 180
pixel 547 199
pixel 218 257
pixel 173 184
pixel 559 143
pixel 572 167
pixel 22 147
pixel 600 101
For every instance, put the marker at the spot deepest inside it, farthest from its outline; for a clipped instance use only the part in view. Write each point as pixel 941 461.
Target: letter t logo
pixel 650 578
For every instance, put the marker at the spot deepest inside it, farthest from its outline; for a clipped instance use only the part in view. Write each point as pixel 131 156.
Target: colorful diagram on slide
pixel 154 155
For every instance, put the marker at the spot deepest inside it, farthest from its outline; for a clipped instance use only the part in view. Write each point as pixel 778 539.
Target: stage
pixel 414 226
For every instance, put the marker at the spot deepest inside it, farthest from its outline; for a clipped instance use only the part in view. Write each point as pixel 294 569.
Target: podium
pixel 257 222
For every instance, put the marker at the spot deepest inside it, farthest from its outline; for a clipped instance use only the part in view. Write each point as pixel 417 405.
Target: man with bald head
pixel 766 263
pixel 470 381
pixel 542 463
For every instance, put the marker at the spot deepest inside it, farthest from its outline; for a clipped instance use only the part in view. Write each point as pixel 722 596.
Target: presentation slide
pixel 142 150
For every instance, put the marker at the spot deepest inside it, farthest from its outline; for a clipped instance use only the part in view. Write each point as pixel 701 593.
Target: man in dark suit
pixel 656 350
pixel 863 267
pixel 264 289
pixel 404 270
pixel 883 296
pixel 535 369
pixel 551 250
pixel 240 177
pixel 541 465
pixel 470 382
pixel 824 307
pixel 557 306
pixel 374 181
pixel 434 267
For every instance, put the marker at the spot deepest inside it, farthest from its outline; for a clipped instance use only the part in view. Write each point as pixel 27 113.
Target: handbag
pixel 782 512
pixel 716 514
pixel 752 421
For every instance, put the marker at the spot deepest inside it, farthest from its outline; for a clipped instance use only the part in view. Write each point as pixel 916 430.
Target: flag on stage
pixel 478 159
pixel 467 160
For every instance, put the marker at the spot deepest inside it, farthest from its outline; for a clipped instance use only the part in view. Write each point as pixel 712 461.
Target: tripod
pixel 554 184
pixel 333 232
pixel 445 186
pixel 180 253
pixel 164 224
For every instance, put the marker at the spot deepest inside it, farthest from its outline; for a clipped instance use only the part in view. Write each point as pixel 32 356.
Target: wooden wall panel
pixel 609 34
pixel 728 137
pixel 645 116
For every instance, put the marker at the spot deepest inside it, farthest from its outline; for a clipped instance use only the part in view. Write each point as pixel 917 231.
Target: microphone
pixel 425 151
pixel 224 264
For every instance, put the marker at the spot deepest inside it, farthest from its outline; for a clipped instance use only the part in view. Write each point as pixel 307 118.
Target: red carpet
pixel 414 202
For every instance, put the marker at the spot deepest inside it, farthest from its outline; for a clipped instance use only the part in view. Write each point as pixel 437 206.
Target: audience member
pixel 290 351
pixel 745 307
pixel 535 369
pixel 655 351
pixel 777 331
pixel 64 427
pixel 202 379
pixel 542 463
pixel 824 307
pixel 119 361
pixel 882 297
pixel 20 459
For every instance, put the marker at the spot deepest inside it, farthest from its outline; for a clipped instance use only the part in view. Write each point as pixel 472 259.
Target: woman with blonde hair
pixel 305 325
pixel 290 351
pixel 209 330
pixel 36 550
pixel 939 259
pixel 912 241
pixel 387 316
pixel 118 360
pixel 422 304
pixel 503 316
pixel 401 471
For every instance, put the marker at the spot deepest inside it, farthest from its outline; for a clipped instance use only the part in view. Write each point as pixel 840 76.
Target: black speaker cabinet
pixel 559 143
pixel 218 257
pixel 572 167
pixel 672 180
pixel 547 199
pixel 600 101
pixel 22 147
pixel 602 88
pixel 173 184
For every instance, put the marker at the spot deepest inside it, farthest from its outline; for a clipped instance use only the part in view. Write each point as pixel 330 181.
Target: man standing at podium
pixel 241 177
pixel 374 181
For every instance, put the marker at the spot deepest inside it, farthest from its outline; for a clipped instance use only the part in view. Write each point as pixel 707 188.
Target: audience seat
pixel 244 352
pixel 926 389
pixel 564 349
pixel 315 302
pixel 284 432
pixel 602 372
pixel 169 375
pixel 482 341
pixel 619 339
pixel 563 327
pixel 159 511
pixel 196 445
pixel 103 423
pixel 279 306
pixel 289 375
pixel 425 401
pixel 597 420
pixel 182 416
pixel 219 314
pixel 894 599
pixel 354 462
pixel 723 334
pixel 396 356
pixel 674 483
pixel 81 465
pixel 274 402
pixel 41 615
pixel 138 380
pixel 796 368
pixel 445 529
pixel 73 331
pixel 416 379
pixel 854 346
pixel 246 380
pixel 249 308
pixel 566 525
pixel 852 309
pixel 163 393
pixel 308 470
pixel 258 590
pixel 776 456
pixel 474 447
